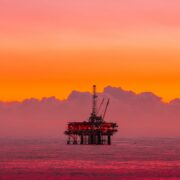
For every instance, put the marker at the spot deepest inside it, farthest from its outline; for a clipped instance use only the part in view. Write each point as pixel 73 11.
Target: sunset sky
pixel 51 47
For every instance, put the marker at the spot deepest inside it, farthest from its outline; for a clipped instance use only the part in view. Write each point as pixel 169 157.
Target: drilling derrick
pixel 95 130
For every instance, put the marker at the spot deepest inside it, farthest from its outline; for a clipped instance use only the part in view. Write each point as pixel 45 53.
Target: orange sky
pixel 49 48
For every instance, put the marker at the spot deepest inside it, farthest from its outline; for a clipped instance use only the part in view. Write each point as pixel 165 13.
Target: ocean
pixel 126 158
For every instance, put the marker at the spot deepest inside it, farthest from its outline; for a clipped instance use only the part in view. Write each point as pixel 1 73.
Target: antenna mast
pixel 94 109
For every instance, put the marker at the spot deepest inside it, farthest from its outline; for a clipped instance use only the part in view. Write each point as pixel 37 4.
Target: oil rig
pixel 95 131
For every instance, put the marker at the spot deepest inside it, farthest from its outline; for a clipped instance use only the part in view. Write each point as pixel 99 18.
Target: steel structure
pixel 93 131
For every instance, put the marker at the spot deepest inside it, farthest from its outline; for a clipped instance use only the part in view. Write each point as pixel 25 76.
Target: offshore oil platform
pixel 95 131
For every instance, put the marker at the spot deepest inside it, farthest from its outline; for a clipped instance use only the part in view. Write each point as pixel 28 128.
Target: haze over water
pixel 142 158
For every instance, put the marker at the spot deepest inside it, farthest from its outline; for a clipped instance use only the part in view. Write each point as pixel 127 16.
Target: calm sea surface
pixel 125 159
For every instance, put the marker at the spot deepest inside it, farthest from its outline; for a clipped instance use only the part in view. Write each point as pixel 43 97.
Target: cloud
pixel 143 114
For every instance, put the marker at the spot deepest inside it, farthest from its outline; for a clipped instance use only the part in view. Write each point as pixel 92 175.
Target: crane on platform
pixel 105 111
pixel 94 115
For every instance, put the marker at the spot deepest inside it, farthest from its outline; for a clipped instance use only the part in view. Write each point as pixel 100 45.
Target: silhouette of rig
pixel 95 130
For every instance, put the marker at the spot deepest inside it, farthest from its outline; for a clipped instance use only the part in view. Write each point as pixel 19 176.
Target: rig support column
pixel 69 140
pixel 109 139
pixel 92 139
pixel 82 140
pixel 99 138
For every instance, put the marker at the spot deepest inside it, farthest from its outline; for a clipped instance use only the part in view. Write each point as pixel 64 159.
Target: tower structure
pixel 95 130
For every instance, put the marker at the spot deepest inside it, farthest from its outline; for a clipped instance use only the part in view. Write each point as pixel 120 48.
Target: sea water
pixel 126 158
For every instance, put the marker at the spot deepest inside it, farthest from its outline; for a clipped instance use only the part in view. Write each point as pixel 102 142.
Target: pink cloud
pixel 137 114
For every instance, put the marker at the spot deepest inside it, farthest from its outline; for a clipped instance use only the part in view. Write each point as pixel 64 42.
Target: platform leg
pixel 99 138
pixel 82 139
pixel 109 140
